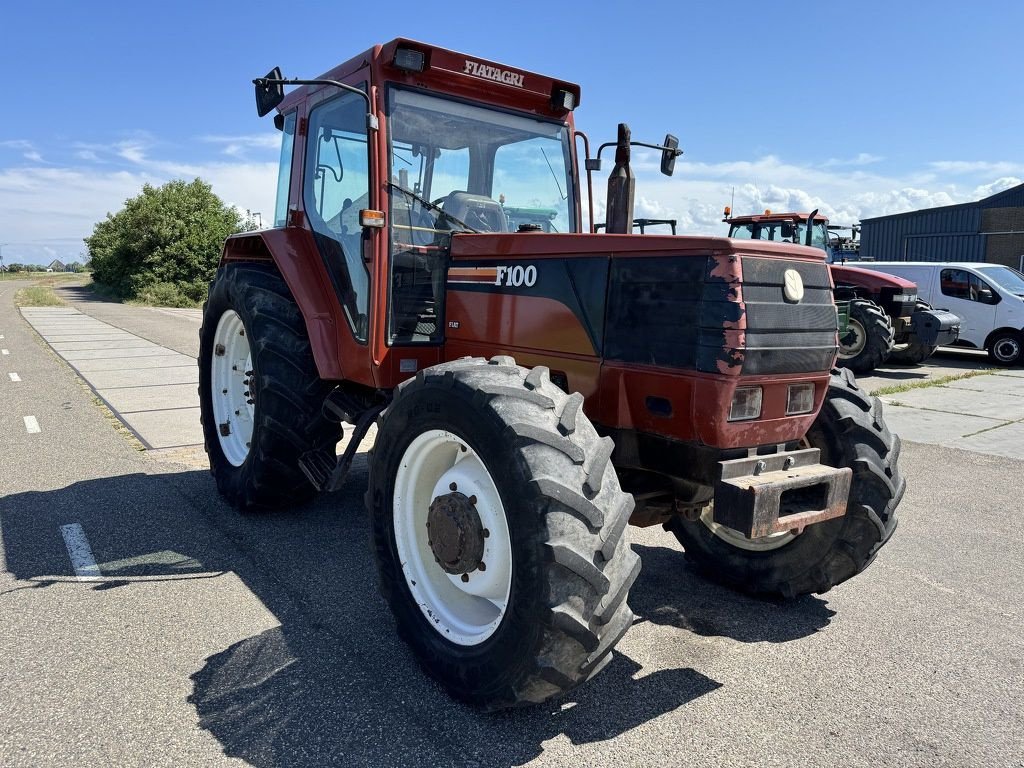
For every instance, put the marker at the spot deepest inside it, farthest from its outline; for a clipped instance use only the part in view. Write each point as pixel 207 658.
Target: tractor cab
pixel 781 228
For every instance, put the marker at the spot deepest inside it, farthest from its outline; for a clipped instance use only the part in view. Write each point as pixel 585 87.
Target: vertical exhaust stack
pixel 621 184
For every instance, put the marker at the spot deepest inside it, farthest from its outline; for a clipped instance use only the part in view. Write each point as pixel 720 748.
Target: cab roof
pixel 495 81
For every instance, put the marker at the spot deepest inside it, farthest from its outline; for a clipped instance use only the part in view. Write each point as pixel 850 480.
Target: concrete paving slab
pixel 1006 440
pixel 149 377
pixel 113 344
pixel 1009 386
pixel 935 427
pixel 115 336
pixel 52 330
pixel 166 360
pixel 127 400
pixel 993 405
pixel 96 354
pixel 166 429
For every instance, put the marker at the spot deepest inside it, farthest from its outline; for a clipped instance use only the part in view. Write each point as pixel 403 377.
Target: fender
pixel 293 251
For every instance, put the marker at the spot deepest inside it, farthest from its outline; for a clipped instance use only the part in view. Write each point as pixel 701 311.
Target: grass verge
pixel 895 388
pixel 38 296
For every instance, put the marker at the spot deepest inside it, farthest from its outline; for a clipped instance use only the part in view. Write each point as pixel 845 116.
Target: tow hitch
pixel 787 491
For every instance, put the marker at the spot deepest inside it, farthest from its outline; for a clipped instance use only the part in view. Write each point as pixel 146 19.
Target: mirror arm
pixel 371 119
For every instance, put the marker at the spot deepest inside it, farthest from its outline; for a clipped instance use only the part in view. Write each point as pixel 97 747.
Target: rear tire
pixel 850 432
pixel 1006 348
pixel 870 339
pixel 571 564
pixel 285 389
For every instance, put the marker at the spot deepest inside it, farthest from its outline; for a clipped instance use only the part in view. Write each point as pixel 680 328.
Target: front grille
pixel 677 312
pixel 784 337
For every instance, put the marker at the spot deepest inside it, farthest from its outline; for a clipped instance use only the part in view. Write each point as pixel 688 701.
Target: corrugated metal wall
pixel 938 234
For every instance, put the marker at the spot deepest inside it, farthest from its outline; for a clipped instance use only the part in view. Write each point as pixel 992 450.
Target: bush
pixel 164 245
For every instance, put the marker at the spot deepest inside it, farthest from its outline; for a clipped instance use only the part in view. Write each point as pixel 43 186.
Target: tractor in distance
pixel 533 392
pixel 884 318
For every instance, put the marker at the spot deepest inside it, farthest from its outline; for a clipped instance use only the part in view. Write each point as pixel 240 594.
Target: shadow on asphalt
pixel 670 592
pixel 83 294
pixel 332 685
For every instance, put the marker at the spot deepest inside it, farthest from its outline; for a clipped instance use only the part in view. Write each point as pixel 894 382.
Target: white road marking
pixel 32 425
pixel 4 352
pixel 80 552
pixel 14 376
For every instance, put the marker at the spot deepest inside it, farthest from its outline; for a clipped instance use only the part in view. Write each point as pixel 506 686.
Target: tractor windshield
pixel 782 232
pixel 459 167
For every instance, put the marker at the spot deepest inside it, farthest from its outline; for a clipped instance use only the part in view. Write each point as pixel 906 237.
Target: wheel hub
pixel 455 533
pixel 853 343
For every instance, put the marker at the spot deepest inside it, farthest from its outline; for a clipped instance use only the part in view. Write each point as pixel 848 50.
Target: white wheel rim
pixel 230 372
pixel 1006 350
pixel 857 343
pixel 464 612
pixel 738 540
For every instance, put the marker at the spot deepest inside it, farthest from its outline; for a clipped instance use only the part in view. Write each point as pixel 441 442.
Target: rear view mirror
pixel 985 296
pixel 669 154
pixel 269 94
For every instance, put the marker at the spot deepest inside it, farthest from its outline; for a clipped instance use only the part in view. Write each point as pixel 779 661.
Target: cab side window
pixel 961 284
pixel 284 171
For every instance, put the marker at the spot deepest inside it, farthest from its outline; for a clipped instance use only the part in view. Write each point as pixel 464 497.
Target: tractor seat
pixel 477 211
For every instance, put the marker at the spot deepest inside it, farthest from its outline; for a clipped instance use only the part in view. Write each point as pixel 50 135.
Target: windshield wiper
pixel 433 207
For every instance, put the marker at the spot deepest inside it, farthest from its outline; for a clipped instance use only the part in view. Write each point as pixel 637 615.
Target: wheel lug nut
pixel 453 487
pixel 465 577
pixel 482 566
pixel 472 500
pixel 487 533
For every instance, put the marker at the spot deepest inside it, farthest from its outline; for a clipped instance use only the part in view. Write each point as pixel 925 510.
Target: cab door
pixel 972 299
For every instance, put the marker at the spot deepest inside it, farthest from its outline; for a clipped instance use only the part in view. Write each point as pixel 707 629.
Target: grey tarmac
pixel 215 638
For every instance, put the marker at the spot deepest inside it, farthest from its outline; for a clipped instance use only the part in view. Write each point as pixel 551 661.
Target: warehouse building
pixel 987 230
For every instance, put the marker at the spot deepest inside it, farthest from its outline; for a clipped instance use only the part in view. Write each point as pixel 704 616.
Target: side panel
pixel 554 316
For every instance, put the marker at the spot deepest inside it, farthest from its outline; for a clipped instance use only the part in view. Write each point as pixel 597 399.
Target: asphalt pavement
pixel 214 638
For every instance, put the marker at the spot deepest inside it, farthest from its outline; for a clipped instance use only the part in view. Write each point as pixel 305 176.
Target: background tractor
pixel 533 392
pixel 886 321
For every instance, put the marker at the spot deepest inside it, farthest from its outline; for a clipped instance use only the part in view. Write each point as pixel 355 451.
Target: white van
pixel 989 298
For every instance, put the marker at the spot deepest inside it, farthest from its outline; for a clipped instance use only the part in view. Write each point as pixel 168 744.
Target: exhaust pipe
pixel 621 184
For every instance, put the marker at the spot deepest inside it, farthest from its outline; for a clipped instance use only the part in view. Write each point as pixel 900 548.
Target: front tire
pixel 850 432
pixel 472 446
pixel 259 391
pixel 870 338
pixel 1006 348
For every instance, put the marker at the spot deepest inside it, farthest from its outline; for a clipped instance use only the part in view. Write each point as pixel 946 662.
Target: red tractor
pixel 533 392
pixel 885 319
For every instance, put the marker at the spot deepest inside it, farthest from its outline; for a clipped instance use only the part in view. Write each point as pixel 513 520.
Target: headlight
pixel 746 404
pixel 799 399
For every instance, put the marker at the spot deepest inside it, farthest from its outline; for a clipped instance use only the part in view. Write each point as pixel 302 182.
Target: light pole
pixel 2 267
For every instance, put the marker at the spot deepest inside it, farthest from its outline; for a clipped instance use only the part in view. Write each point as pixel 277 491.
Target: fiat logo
pixel 793 288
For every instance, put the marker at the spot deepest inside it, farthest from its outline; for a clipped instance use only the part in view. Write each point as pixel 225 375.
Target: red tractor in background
pixel 885 320
pixel 533 392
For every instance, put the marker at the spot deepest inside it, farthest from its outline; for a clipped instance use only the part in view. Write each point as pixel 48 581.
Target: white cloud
pixel 237 146
pixel 997 186
pixel 863 158
pixel 52 207
pixel 985 167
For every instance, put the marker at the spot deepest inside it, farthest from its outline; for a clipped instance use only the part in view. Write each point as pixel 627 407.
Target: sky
pixel 859 109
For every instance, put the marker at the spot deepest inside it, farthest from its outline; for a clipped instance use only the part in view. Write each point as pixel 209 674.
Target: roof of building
pixel 1008 198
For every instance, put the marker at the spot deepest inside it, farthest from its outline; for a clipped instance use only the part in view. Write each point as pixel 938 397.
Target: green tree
pixel 164 244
